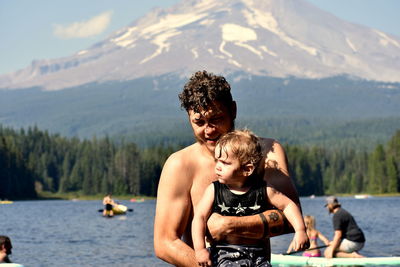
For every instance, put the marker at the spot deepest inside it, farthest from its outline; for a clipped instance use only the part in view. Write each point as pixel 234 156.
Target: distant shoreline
pixel 77 196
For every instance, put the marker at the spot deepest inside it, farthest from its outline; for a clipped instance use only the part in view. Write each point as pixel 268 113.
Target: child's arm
pixel 323 238
pixel 201 213
pixel 293 214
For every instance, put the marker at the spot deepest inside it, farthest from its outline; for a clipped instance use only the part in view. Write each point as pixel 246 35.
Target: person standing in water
pixel 5 249
pixel 186 174
pixel 238 192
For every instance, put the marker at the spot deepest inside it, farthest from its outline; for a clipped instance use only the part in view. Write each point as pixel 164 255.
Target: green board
pixel 282 260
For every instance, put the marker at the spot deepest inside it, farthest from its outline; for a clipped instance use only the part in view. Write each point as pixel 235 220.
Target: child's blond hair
pixel 309 221
pixel 244 144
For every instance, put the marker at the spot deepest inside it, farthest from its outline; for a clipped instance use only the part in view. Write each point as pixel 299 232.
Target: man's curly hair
pixel 202 89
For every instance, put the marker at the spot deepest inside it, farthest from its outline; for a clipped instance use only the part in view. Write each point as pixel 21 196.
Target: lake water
pixel 73 233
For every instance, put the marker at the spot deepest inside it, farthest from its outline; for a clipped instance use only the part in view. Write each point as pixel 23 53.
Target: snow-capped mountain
pixel 275 38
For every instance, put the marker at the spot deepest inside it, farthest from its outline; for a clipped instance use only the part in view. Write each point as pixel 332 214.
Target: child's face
pixel 227 167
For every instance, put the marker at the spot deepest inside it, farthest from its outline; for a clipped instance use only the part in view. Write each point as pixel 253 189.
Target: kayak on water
pixel 279 259
pixel 119 209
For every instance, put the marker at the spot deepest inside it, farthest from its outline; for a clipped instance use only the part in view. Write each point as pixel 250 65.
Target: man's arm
pixel 254 226
pixel 330 251
pixel 172 214
pixel 275 172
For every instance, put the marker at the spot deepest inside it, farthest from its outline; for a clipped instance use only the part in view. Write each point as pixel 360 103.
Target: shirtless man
pixel 188 172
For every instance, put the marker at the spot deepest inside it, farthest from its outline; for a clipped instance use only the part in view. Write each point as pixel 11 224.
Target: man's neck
pixel 206 151
pixel 3 256
pixel 336 209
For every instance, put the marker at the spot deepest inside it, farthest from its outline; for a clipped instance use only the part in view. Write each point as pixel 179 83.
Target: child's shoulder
pixel 314 232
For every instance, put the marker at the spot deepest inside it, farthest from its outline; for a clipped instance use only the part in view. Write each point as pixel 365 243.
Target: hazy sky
pixel 45 29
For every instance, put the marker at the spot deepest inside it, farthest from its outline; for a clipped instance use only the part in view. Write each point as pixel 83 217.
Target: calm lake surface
pixel 73 233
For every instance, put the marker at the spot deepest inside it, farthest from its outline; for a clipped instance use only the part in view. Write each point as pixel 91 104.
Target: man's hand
pixel 215 227
pixel 329 252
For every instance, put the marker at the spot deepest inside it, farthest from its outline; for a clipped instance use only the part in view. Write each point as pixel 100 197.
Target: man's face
pixel 6 248
pixel 330 208
pixel 210 124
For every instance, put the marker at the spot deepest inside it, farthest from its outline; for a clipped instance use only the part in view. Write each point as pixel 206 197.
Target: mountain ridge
pixel 150 106
pixel 273 38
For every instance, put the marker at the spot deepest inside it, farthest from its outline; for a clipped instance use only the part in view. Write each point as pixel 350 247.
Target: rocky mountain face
pixel 275 38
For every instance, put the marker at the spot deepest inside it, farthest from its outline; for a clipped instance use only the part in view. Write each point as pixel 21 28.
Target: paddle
pixel 101 210
pixel 294 252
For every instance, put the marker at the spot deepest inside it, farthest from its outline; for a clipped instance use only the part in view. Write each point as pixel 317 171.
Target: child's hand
pixel 203 257
pixel 300 241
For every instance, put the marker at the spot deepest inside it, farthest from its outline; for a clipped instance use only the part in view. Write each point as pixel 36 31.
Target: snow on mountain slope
pixel 276 38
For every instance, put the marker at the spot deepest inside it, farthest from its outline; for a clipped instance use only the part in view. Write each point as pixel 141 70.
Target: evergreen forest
pixel 33 161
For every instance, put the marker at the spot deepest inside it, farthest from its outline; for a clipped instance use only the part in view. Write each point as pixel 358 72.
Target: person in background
pixel 186 174
pixel 108 203
pixel 5 249
pixel 313 235
pixel 348 237
pixel 237 192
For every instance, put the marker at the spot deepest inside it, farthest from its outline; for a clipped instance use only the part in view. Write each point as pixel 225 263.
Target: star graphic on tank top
pixel 239 209
pixel 255 207
pixel 223 207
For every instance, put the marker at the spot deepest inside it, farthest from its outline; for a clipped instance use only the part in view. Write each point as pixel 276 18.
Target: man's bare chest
pixel 201 181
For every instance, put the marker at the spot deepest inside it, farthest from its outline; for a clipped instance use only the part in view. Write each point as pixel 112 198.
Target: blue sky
pixel 45 29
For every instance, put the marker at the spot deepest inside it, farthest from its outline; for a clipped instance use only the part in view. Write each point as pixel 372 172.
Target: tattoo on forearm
pixel 274 229
pixel 273 216
pixel 272 164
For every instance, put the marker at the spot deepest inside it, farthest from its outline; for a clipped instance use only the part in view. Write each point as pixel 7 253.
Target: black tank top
pixel 252 202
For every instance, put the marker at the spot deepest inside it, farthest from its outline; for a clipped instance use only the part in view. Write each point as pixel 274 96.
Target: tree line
pixel 323 171
pixel 33 161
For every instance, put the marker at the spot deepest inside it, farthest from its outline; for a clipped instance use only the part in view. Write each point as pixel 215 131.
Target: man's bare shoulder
pixel 271 145
pixel 275 167
pixel 183 157
pixel 177 174
pixel 183 163
pixel 274 153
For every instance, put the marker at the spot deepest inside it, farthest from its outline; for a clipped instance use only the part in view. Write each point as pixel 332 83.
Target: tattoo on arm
pixel 278 224
pixel 272 164
pixel 275 228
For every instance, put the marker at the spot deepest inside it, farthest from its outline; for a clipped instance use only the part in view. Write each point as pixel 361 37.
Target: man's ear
pixel 233 110
pixel 248 169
